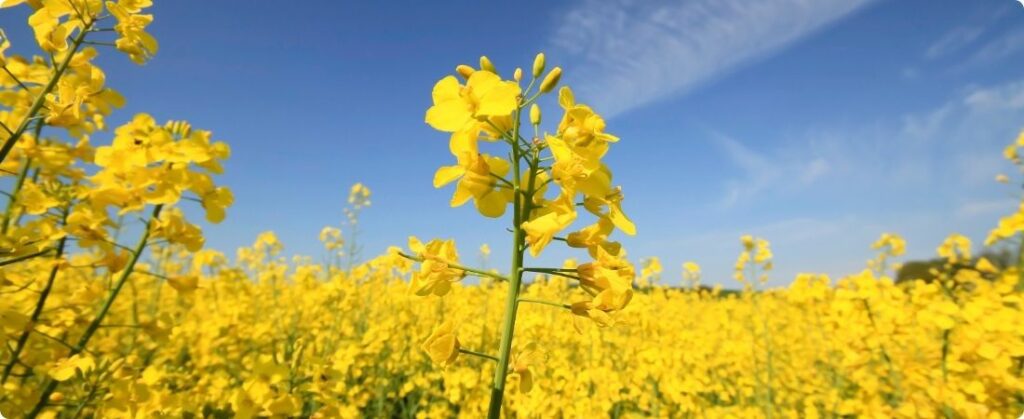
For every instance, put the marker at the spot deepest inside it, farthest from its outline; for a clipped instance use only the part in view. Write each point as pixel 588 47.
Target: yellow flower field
pixel 112 306
pixel 269 337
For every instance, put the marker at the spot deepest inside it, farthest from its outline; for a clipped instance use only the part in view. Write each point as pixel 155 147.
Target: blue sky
pixel 817 124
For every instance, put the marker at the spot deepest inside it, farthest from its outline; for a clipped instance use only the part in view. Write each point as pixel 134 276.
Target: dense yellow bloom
pixel 435 275
pixel 331 238
pixel 893 244
pixel 356 358
pixel 35 199
pixel 359 196
pixel 956 248
pixel 650 271
pixel 173 227
pixel 150 164
pixel 609 279
pixel 581 126
pixel 754 262
pixel 592 236
pixel 549 221
pixel 610 206
pixel 51 33
pixel 91 327
pixel 64 369
pixel 1012 224
pixel 134 41
pixel 476 175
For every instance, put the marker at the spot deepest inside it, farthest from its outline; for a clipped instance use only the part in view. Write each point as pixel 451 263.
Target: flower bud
pixel 486 65
pixel 465 71
pixel 747 241
pixel 518 74
pixel 551 80
pixel 535 114
pixel 538 65
pixel 587 275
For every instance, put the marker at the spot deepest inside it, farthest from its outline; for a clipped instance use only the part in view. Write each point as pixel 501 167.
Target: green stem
pixel 1020 265
pixel 478 272
pixel 551 272
pixel 547 303
pixel 893 377
pixel 18 183
pixel 479 354
pixel 51 385
pixel 43 296
pixel 520 213
pixel 13 77
pixel 25 257
pixel 38 103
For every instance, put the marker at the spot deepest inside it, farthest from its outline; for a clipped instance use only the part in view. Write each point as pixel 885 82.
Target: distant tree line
pixel 1002 258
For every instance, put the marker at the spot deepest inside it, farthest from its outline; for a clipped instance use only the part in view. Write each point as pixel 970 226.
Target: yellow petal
pixel 565 97
pixel 447 174
pixel 462 194
pixel 449 116
pixel 621 221
pixel 491 204
pixel 499 101
pixel 446 89
pixel 415 245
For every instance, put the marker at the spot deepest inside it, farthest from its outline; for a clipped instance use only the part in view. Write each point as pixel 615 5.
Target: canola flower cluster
pixel 488 108
pixel 96 325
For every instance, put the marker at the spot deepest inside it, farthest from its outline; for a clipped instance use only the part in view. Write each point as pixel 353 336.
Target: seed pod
pixel 535 114
pixel 538 65
pixel 465 71
pixel 551 80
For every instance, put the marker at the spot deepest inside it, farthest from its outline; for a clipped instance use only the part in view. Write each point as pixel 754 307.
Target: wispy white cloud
pixel 974 43
pixel 762 171
pixel 1006 97
pixel 952 149
pixel 1008 44
pixel 953 41
pixel 631 53
pixel 987 208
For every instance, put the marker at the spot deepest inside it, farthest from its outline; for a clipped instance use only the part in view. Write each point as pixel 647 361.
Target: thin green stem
pixel 38 310
pixel 15 78
pixel 51 385
pixel 478 272
pixel 552 272
pixel 548 270
pixel 1020 265
pixel 25 257
pixel 18 183
pixel 479 354
pixel 544 302
pixel 502 180
pixel 37 104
